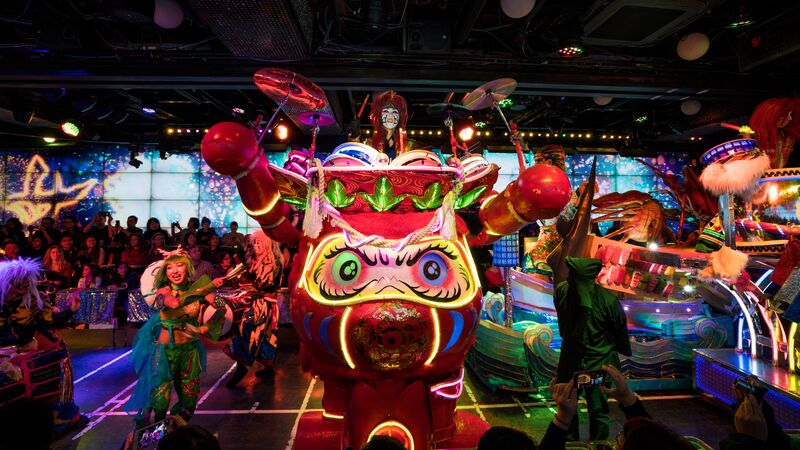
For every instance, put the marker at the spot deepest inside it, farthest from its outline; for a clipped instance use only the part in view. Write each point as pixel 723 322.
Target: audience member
pixel 191 227
pixel 91 252
pixel 205 232
pixel 383 443
pixel 189 437
pixel 153 226
pixel 89 279
pixel 68 249
pixel 224 263
pixel 10 249
pixel 72 229
pixel 135 253
pixel 131 227
pixel 213 251
pixel 47 226
pixel 189 240
pixel 15 231
pixel 200 267
pixel 37 245
pixel 157 242
pixel 100 228
pixel 502 438
pixel 233 239
pixel 26 424
pixel 57 269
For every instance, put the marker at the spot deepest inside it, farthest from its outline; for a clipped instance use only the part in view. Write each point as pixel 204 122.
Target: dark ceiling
pixel 57 57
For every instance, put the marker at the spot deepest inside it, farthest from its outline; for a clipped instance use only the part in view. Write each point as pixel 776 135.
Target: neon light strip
pixel 263 210
pixel 302 283
pixel 792 332
pixel 750 327
pixel 739 324
pixel 436 388
pixel 764 277
pixel 393 423
pixel 328 415
pixel 437 336
pixel 769 327
pixel 343 338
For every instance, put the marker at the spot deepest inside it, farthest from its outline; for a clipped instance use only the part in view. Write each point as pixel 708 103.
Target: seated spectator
pixel 158 241
pixel 213 251
pixel 10 249
pixel 153 226
pixel 123 278
pixel 57 269
pixel 501 438
pixel 131 227
pixel 189 437
pixel 383 443
pixel 26 424
pixel 189 240
pixel 37 245
pixel 68 249
pixel 223 266
pixel 234 239
pixel 100 227
pixel 205 232
pixel 15 231
pixel 200 267
pixel 191 227
pixel 135 253
pixel 91 252
pixel 89 278
pixel 52 236
pixel 72 229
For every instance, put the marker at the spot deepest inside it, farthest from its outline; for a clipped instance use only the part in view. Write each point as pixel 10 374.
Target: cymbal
pixel 488 93
pixel 311 118
pixel 443 110
pixel 299 91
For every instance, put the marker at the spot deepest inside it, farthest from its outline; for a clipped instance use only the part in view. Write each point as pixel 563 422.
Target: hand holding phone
pixel 589 378
pixel 745 386
pixel 148 437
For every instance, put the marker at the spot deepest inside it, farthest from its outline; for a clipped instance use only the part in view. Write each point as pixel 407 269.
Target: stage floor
pixel 263 414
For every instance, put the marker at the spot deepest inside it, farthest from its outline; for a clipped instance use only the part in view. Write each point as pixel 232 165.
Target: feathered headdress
pixel 18 271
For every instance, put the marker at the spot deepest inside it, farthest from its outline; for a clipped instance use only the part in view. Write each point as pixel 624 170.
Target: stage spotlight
pixel 570 48
pixel 282 132
pixel 49 139
pixel 743 17
pixel 237 111
pixel 148 110
pixel 70 128
pixel 466 134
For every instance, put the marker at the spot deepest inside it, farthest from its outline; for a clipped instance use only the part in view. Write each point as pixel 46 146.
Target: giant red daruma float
pixel 384 292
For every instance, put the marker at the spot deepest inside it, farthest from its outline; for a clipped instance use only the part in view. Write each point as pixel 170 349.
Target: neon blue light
pixel 458 326
pixel 323 334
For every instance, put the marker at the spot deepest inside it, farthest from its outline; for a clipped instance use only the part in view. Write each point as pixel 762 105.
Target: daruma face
pixel 379 309
pixel 433 272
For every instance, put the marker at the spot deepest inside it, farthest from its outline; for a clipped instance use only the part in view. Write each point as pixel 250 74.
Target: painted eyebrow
pixel 444 249
pixel 335 251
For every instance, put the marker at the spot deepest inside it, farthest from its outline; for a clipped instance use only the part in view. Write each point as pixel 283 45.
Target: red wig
pixel 383 100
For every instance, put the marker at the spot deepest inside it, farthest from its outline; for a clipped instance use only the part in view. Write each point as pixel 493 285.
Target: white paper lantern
pixel 168 14
pixel 691 107
pixel 693 46
pixel 517 9
pixel 602 100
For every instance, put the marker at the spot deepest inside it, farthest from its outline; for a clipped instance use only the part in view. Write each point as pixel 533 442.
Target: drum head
pixel 219 322
pixel 148 281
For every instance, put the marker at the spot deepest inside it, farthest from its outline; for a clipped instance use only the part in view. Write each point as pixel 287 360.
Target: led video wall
pixel 82 182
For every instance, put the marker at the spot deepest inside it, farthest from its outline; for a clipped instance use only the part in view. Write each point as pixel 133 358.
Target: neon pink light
pixel 458 383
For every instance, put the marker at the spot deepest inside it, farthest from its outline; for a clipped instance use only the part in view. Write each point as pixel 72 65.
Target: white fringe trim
pixel 736 177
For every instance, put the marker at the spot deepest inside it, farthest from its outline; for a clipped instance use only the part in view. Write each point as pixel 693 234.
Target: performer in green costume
pixel 167 352
pixel 590 318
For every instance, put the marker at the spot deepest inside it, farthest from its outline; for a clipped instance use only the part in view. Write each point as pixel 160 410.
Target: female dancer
pixel 166 351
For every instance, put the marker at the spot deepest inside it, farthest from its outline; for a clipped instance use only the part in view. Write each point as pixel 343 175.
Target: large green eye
pixel 346 268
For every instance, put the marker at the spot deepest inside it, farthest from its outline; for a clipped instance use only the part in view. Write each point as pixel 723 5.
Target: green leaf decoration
pixel 337 195
pixel 432 198
pixel 382 199
pixel 467 199
pixel 298 202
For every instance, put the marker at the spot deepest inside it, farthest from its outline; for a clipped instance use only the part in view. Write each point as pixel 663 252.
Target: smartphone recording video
pixel 148 437
pixel 589 378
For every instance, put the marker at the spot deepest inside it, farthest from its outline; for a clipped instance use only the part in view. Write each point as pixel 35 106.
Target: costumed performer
pixel 167 352
pixel 389 114
pixel 254 339
pixel 590 318
pixel 23 313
